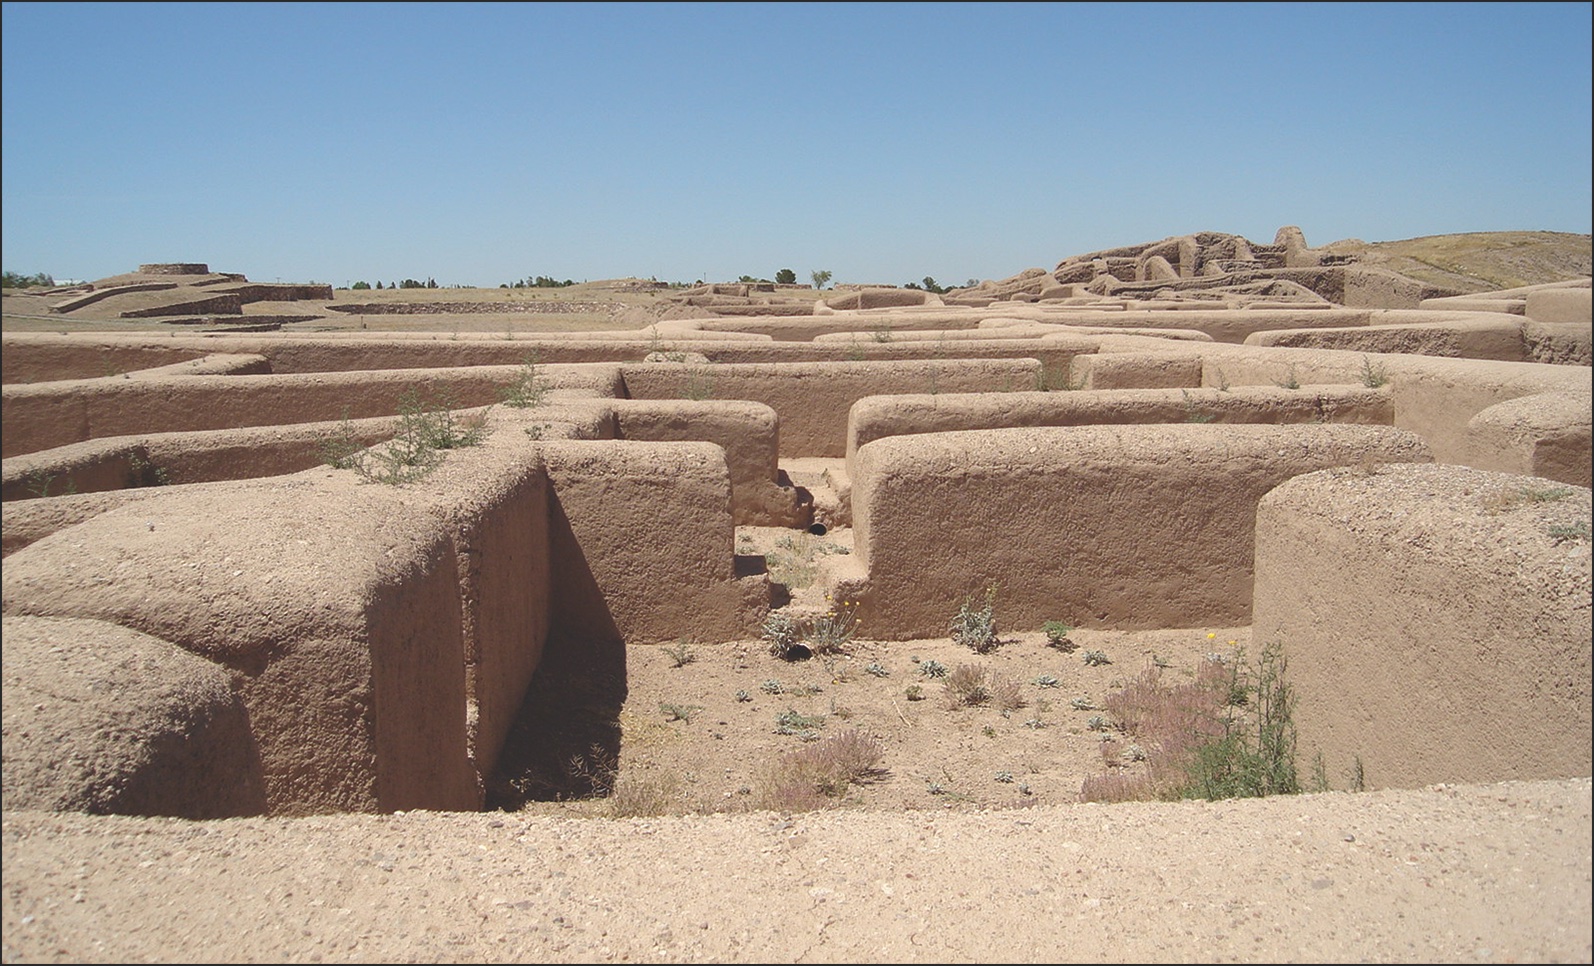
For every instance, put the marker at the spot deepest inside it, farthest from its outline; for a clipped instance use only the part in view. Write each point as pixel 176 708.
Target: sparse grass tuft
pixel 1374 376
pixel 681 654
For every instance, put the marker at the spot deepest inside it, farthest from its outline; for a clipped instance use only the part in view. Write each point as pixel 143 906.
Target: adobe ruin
pixel 1357 465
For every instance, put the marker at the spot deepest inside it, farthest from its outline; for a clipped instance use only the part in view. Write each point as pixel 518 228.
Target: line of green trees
pixel 18 280
pixel 362 286
pixel 541 281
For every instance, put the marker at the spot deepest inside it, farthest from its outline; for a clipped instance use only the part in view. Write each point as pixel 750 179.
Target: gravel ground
pixel 1497 873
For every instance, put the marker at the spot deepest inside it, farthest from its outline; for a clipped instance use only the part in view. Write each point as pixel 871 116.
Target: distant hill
pixel 1481 261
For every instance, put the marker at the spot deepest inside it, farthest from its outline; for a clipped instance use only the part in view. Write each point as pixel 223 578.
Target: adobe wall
pixel 1057 519
pixel 749 434
pixel 877 417
pixel 643 542
pixel 1480 335
pixel 1434 397
pixel 1548 435
pixel 335 609
pixel 1436 629
pixel 49 360
pixel 1564 305
pixel 45 415
pixel 119 462
pixel 813 399
pixel 105 720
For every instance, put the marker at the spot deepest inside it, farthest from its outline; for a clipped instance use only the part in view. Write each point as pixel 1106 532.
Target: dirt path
pixel 1460 874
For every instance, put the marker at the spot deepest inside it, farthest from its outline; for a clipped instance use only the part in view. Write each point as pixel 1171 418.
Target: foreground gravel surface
pixel 1497 873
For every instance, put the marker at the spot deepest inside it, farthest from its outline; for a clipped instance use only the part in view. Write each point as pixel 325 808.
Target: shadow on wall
pixel 565 740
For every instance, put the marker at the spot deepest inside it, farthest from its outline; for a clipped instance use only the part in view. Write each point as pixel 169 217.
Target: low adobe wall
pixel 1436 627
pixel 812 399
pixel 1470 335
pixel 46 415
pixel 1101 526
pixel 880 416
pixel 1547 434
pixel 749 434
pixel 1434 397
pixel 24 360
pixel 643 539
pixel 105 720
pixel 333 606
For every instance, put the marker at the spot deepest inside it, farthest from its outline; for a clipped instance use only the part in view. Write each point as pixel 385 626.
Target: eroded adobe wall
pixel 1103 526
pixel 46 415
pixel 335 609
pixel 1549 435
pixel 1436 627
pixel 812 399
pixel 1476 335
pixel 642 540
pixel 105 720
pixel 877 417
pixel 749 434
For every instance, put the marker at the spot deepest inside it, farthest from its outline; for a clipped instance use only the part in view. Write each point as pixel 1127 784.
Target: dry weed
pixel 815 775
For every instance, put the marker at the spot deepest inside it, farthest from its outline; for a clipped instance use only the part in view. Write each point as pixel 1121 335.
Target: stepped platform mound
pixel 284 574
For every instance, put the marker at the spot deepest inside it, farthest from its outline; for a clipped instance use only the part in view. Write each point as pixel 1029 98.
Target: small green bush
pixel 974 625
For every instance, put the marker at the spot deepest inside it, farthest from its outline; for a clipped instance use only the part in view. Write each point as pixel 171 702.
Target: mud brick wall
pixel 813 399
pixel 1435 627
pixel 1102 526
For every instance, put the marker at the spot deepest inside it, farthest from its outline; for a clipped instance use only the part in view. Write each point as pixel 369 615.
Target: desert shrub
pixel 795 638
pixel 967 686
pixel 815 775
pixel 1057 636
pixel 1229 733
pixel 426 427
pixel 806 727
pixel 1007 693
pixel 932 669
pixel 782 633
pixel 679 712
pixel 528 390
pixel 681 654
pixel 832 631
pixel 974 625
pixel 1373 377
pixel 786 276
pixel 141 472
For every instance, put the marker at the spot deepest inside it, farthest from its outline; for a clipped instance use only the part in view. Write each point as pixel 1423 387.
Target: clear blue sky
pixel 481 143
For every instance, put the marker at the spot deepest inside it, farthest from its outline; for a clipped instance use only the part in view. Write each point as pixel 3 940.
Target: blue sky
pixel 481 143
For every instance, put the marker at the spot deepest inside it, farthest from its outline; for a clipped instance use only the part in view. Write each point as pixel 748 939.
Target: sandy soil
pixel 1448 874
